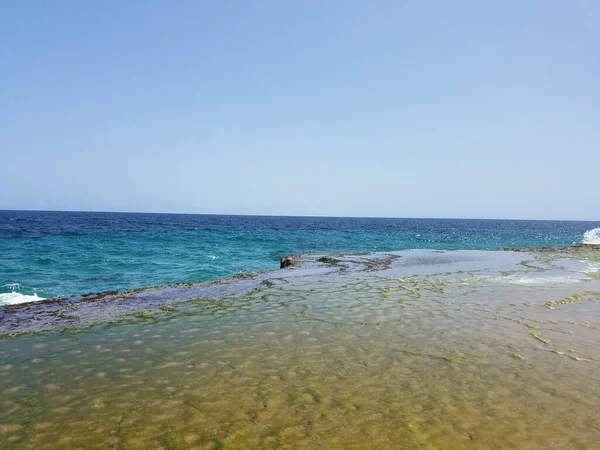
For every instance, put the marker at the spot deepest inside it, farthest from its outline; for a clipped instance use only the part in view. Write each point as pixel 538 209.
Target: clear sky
pixel 352 108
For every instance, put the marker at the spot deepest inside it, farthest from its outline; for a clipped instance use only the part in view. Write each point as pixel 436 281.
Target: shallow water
pixel 441 350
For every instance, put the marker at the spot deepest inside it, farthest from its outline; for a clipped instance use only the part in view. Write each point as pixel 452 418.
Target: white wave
pixel 589 267
pixel 593 267
pixel 592 237
pixel 13 298
pixel 533 280
pixel 540 281
pixel 212 257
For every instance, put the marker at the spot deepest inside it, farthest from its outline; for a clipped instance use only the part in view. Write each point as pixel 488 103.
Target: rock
pixel 328 260
pixel 287 261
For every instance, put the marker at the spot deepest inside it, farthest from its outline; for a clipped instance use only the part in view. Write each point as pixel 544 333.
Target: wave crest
pixel 592 237
pixel 13 298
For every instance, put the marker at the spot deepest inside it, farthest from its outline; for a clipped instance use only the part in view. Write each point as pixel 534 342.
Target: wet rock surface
pixel 96 308
pixel 579 249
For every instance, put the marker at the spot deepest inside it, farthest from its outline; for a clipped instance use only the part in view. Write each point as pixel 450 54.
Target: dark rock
pixel 287 261
pixel 267 283
pixel 328 260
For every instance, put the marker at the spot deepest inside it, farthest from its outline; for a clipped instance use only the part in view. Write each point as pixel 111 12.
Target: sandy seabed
pixel 411 350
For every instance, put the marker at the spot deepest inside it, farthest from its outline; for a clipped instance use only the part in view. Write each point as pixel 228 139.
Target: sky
pixel 338 108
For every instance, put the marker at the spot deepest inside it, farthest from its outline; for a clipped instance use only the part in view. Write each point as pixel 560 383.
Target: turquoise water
pixel 50 254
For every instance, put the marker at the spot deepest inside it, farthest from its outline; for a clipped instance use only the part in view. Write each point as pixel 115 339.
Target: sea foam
pixel 592 237
pixel 12 298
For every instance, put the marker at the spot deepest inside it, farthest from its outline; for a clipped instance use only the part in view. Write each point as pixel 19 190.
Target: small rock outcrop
pixel 329 260
pixel 287 261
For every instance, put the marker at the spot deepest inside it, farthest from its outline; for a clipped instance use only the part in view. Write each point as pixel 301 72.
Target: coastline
pixel 93 309
pixel 46 256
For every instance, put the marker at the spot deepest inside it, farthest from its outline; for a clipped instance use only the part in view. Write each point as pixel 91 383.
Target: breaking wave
pixel 592 237
pixel 14 297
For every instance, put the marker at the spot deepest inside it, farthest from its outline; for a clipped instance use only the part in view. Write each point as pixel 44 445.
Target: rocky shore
pixel 90 309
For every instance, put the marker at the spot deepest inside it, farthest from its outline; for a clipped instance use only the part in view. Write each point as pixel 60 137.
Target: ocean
pixel 423 340
pixel 47 254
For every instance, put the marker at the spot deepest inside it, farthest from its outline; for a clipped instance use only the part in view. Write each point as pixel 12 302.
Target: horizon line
pixel 284 215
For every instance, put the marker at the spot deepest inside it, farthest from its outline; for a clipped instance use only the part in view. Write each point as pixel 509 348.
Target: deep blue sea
pixel 50 254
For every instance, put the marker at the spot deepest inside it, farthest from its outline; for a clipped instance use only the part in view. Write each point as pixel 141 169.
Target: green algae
pixel 528 325
pixel 314 394
pixel 329 260
pixel 30 401
pixel 429 355
pixel 577 358
pixel 539 338
pixel 72 330
pixel 170 441
pixel 573 357
pixel 589 296
pixel 472 281
pixel 212 443
pixel 565 301
pixel 529 264
pixel 145 315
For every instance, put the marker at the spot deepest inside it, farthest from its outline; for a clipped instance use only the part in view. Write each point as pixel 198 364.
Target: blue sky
pixel 382 108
